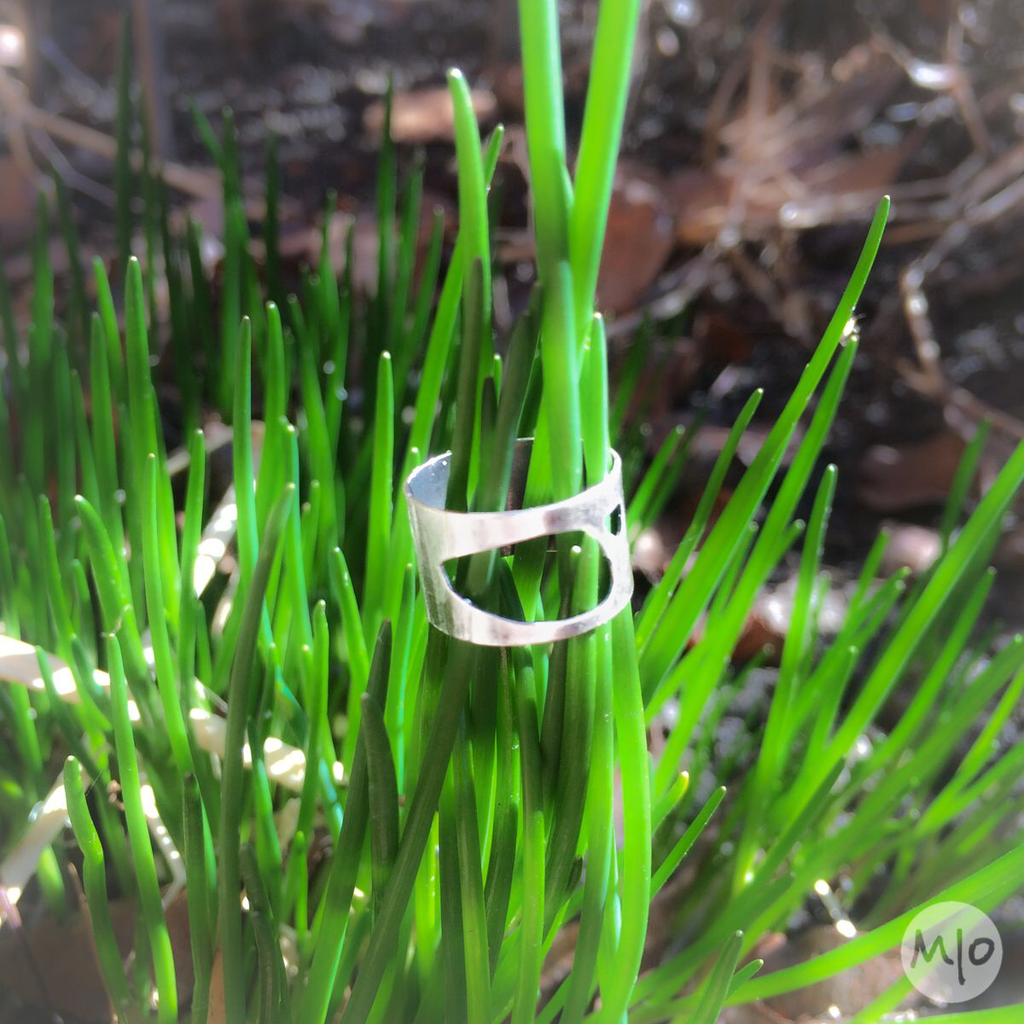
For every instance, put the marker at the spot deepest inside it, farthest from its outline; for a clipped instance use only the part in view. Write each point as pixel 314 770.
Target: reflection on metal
pixel 441 536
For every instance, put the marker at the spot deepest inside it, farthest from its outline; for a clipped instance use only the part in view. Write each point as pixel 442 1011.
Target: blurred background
pixel 759 138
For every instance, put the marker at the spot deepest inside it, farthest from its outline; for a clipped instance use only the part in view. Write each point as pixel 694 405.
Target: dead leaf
pixel 639 239
pixel 59 956
pixel 893 479
pixel 216 1014
pixel 790 164
pixel 723 338
pixel 425 115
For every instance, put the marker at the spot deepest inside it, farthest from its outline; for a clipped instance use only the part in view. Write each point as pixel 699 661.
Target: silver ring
pixel 441 535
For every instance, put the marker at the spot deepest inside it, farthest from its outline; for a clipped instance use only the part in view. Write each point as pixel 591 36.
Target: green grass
pixel 473 802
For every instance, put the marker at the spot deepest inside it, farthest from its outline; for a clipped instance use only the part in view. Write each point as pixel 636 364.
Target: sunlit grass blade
pixel 696 589
pixel 716 987
pixel 532 924
pixel 382 797
pixel 643 509
pixel 337 898
pixel 229 871
pixel 893 660
pixel 202 913
pixel 166 674
pixel 380 514
pixel 138 836
pixel 635 870
pixel 600 834
pixel 473 915
pixel 991 883
pixel 660 596
pixel 95 884
pixel 685 842
pixel 603 117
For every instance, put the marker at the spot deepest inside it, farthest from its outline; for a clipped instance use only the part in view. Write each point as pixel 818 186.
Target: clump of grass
pixel 467 795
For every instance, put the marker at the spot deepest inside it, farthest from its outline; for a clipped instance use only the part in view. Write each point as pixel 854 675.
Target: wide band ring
pixel 441 535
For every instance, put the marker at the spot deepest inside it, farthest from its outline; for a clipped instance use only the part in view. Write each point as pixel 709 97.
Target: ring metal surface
pixel 441 535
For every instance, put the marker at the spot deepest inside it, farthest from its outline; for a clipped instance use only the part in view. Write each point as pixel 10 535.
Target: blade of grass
pixel 685 842
pixel 635 880
pixel 716 989
pixel 603 117
pixel 201 897
pixel 991 883
pixel 382 798
pixel 696 589
pixel 95 883
pixel 138 837
pixel 473 917
pixel 229 880
pixel 380 521
pixel 337 899
pixel 531 929
pixel 166 675
pixel 893 661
